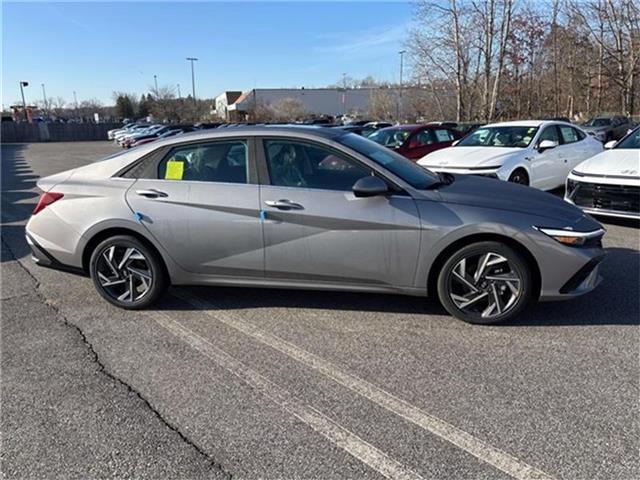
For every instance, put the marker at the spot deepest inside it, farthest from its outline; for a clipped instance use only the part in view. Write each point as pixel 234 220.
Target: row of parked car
pixel 545 154
pixel 135 134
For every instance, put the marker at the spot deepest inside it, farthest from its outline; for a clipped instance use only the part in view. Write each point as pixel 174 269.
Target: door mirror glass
pixel 609 145
pixel 547 145
pixel 370 186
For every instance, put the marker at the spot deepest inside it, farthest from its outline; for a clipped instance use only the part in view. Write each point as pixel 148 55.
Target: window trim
pixel 265 178
pixel 160 154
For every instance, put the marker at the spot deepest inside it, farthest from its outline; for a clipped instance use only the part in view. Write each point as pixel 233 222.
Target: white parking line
pixel 467 442
pixel 338 435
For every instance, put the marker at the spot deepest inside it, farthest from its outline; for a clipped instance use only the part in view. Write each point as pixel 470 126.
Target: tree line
pixel 501 59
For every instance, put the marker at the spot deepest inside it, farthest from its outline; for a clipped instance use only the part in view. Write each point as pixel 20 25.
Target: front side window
pixel 507 136
pixel 598 122
pixel 569 135
pixel 410 172
pixel 423 138
pixel 224 162
pixel 305 165
pixel 550 133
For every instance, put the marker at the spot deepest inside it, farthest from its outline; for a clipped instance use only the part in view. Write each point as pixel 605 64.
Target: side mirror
pixel 370 187
pixel 547 145
pixel 610 144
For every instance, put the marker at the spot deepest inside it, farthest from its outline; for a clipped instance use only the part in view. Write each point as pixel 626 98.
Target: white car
pixel 539 153
pixel 609 184
pixel 111 134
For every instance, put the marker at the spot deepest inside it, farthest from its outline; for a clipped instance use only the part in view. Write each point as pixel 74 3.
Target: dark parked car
pixel 364 130
pixel 607 128
pixel 415 141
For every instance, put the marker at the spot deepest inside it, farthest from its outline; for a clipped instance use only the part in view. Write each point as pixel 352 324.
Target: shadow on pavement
pixel 614 302
pixel 18 199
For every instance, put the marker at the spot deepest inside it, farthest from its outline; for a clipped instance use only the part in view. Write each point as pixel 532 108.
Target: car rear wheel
pixel 520 177
pixel 485 282
pixel 127 273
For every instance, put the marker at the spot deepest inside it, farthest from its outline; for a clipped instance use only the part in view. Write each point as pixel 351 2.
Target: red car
pixel 415 141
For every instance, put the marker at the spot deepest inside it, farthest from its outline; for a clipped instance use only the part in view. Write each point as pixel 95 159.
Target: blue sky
pixel 98 48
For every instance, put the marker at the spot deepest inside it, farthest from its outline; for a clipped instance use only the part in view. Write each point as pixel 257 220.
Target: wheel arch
pixel 108 232
pixel 438 263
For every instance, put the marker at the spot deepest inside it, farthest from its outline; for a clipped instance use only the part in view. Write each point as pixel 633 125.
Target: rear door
pixel 200 201
pixel 317 231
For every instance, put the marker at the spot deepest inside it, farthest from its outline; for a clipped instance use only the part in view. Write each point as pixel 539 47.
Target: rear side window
pixel 224 162
pixel 569 134
pixel 443 135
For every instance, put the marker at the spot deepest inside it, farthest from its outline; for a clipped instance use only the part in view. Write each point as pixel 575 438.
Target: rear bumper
pixel 43 258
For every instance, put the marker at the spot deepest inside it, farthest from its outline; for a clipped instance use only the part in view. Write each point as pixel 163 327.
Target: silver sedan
pixel 312 208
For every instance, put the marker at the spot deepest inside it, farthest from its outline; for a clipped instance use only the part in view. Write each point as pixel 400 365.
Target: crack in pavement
pixel 102 369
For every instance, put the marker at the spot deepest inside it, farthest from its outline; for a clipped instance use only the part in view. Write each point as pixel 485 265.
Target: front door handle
pixel 283 204
pixel 151 193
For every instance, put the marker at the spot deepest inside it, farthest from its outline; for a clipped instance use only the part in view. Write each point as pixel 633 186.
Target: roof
pixel 257 130
pixel 522 123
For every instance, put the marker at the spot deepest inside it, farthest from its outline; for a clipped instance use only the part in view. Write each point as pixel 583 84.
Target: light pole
pixel 401 52
pixel 155 82
pixel 44 96
pixel 179 96
pixel 75 99
pixel 24 103
pixel 344 94
pixel 193 84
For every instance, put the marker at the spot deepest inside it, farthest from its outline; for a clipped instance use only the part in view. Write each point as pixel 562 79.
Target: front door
pixel 316 230
pixel 203 208
pixel 547 165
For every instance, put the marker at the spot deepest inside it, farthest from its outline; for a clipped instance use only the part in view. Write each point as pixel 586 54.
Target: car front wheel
pixel 485 282
pixel 127 273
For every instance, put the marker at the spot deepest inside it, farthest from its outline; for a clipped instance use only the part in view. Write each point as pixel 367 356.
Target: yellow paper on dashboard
pixel 175 170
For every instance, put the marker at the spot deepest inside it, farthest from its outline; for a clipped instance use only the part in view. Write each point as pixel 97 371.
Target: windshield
pixel 598 122
pixel 631 141
pixel 512 136
pixel 390 137
pixel 411 173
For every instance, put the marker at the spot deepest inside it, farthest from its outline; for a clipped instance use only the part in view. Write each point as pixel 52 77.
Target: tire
pixel 454 293
pixel 519 176
pixel 113 275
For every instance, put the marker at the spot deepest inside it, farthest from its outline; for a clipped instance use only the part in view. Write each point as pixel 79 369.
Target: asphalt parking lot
pixel 249 383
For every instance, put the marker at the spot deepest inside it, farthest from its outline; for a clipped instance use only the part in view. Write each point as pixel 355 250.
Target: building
pixel 316 101
pixel 221 103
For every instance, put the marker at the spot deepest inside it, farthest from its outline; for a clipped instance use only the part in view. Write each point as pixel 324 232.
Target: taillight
pixel 46 199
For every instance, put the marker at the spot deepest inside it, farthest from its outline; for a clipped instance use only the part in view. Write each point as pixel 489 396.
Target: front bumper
pixel 607 199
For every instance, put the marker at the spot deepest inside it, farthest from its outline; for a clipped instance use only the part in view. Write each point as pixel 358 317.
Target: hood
pixel 596 129
pixel 469 157
pixel 497 194
pixel 616 162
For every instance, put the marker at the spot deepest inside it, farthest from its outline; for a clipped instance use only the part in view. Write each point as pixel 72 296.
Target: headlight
pixel 574 239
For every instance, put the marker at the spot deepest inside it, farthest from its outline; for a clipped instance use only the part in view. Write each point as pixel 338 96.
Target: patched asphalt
pixel 91 391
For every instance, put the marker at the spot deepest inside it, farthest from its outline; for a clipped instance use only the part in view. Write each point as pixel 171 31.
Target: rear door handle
pixel 283 204
pixel 151 193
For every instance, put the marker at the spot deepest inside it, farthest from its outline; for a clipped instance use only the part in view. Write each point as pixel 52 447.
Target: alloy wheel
pixel 485 285
pixel 124 273
pixel 519 178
